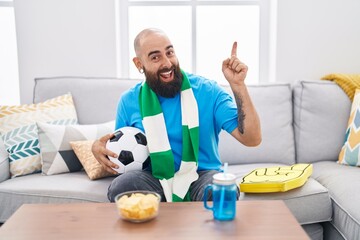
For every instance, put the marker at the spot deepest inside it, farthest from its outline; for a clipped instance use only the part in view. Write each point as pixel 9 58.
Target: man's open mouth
pixel 167 76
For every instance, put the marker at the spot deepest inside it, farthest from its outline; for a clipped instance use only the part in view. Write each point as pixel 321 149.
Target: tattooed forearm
pixel 241 114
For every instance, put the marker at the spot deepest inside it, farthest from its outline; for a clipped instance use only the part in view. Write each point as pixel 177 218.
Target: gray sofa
pixel 303 122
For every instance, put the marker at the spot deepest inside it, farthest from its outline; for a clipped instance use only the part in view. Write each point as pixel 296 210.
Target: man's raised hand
pixel 233 69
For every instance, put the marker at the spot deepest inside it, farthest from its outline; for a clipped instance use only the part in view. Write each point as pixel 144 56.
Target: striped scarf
pixel 175 185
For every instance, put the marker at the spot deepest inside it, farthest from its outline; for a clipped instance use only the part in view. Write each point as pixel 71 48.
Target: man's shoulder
pixel 197 78
pixel 201 83
pixel 133 91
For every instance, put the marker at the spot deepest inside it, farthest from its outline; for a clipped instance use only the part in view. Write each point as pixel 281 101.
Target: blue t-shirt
pixel 217 111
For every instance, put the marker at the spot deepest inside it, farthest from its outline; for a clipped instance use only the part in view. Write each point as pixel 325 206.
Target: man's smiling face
pixel 156 56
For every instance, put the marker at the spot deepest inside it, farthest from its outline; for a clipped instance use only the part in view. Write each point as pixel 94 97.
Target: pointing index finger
pixel 234 49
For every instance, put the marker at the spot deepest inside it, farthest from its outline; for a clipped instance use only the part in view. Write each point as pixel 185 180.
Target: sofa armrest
pixel 4 162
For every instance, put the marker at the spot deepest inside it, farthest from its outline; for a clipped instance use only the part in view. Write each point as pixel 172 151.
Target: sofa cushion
pixel 273 103
pixel 61 188
pixel 343 183
pixel 19 131
pixel 95 99
pixel 321 113
pixel 57 155
pixel 330 232
pixel 310 203
pixel 349 154
pixel 92 167
pixel 314 231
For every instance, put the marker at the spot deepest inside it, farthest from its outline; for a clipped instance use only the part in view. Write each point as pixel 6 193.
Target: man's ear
pixel 138 64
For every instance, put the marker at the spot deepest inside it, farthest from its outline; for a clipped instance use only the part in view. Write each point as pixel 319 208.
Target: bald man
pixel 190 157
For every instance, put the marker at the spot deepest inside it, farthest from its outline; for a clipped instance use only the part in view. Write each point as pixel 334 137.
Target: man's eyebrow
pixel 153 52
pixel 168 47
pixel 157 51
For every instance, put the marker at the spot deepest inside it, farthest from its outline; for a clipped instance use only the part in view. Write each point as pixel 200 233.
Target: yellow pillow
pixel 276 179
pixel 92 167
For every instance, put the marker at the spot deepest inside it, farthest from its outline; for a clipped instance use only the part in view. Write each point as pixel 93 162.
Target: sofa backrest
pixel 273 103
pixel 95 99
pixel 321 113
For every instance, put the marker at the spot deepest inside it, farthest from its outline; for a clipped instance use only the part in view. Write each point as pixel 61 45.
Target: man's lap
pixel 143 180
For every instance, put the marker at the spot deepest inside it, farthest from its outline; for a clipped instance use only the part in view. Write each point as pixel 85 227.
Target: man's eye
pixel 154 58
pixel 170 53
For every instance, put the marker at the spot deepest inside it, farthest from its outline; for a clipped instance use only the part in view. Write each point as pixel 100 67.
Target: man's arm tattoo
pixel 241 114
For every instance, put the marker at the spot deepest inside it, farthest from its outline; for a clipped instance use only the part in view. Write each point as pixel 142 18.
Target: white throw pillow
pixel 57 155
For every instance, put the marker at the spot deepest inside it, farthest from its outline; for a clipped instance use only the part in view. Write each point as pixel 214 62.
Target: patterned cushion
pixel 92 167
pixel 20 135
pixel 57 156
pixel 4 162
pixel 349 154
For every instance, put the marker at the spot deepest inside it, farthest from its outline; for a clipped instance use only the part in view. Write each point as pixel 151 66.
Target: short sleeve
pixel 121 115
pixel 128 110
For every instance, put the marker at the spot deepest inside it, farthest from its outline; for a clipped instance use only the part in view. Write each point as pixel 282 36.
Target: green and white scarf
pixel 175 185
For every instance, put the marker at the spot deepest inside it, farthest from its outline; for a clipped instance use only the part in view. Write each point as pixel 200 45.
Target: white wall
pixel 317 37
pixel 64 38
pixel 77 38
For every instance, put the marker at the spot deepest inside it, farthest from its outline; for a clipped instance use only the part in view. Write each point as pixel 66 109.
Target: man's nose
pixel 166 63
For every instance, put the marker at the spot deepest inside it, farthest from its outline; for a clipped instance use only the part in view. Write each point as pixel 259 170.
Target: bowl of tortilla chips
pixel 138 206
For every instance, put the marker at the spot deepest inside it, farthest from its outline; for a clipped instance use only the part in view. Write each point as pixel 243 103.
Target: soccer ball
pixel 130 145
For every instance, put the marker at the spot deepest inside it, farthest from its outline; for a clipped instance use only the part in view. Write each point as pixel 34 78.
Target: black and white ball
pixel 130 145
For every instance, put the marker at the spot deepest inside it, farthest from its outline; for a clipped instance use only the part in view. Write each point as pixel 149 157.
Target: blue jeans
pixel 144 180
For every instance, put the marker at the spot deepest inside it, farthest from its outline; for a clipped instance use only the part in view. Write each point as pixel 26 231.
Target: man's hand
pixel 100 153
pixel 234 70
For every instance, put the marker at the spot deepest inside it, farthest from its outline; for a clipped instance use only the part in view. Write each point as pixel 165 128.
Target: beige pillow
pixel 92 167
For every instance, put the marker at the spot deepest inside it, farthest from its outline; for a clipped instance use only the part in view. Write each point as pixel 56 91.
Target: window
pixel 176 29
pixel 202 33
pixel 10 94
pixel 217 34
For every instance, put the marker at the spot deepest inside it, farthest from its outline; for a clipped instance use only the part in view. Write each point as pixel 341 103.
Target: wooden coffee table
pixel 254 220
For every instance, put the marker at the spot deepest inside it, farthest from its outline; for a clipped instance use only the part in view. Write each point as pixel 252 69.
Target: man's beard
pixel 169 89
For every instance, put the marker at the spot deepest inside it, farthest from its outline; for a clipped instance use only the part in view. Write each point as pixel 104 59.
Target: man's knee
pixel 132 181
pixel 122 183
pixel 197 188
